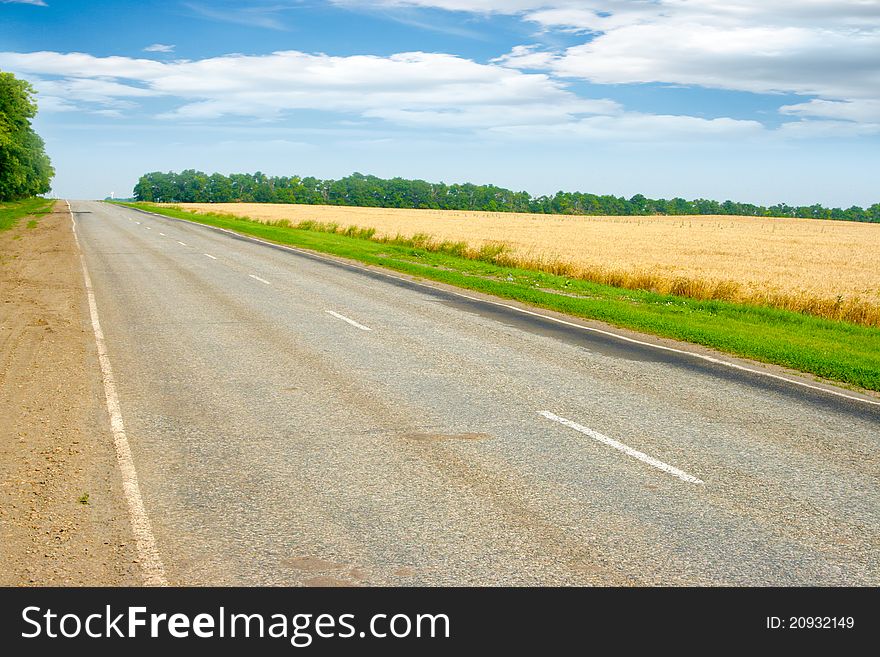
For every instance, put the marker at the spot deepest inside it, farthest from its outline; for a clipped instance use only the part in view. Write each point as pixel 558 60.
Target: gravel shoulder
pixel 55 444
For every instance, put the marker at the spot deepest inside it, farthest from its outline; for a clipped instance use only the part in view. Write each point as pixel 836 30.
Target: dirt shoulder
pixel 55 443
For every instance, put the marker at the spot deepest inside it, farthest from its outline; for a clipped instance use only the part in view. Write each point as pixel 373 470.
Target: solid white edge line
pixel 350 321
pixel 626 449
pixel 210 256
pixel 611 334
pixel 150 561
pixel 262 280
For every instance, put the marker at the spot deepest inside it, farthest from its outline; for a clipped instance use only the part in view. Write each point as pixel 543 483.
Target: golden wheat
pixel 825 268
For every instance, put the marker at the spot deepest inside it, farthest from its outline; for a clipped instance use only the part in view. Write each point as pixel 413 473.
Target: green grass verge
pixel 12 211
pixel 840 351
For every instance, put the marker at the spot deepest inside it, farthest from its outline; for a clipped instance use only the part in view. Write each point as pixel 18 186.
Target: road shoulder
pixel 62 516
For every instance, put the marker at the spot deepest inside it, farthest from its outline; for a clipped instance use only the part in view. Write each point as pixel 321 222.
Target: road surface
pixel 293 420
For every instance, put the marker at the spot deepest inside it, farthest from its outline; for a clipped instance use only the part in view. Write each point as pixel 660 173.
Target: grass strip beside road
pixel 12 211
pixel 838 351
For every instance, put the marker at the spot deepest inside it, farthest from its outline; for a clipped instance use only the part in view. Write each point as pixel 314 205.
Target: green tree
pixel 25 169
pixel 370 191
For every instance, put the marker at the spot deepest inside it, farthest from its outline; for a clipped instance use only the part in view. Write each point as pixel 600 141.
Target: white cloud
pixel 413 89
pixel 828 50
pixel 582 14
pixel 80 65
pixel 55 104
pixel 256 16
pixel 527 57
pixel 37 3
pixel 491 116
pixel 819 62
pixel 159 47
pixel 824 48
pixel 93 95
pixel 97 90
pixel 859 110
pixel 639 127
pixel 829 129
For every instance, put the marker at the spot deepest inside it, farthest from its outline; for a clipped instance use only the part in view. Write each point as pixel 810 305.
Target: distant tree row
pixel 192 186
pixel 25 169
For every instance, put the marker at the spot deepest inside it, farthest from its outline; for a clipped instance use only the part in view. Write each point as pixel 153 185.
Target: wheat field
pixel 825 268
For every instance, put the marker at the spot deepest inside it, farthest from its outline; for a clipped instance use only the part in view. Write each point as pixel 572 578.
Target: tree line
pixel 192 186
pixel 25 169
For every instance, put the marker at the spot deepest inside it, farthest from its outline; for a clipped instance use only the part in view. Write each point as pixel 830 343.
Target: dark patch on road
pixel 310 564
pixel 357 574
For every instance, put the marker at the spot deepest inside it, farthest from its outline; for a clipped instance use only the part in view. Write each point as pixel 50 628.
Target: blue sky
pixel 753 100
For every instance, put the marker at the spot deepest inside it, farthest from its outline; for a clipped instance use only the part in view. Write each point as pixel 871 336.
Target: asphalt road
pixel 297 421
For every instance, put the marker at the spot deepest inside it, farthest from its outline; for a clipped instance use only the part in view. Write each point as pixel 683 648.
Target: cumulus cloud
pixel 820 62
pixel 80 65
pixel 409 88
pixel 414 90
pixel 827 50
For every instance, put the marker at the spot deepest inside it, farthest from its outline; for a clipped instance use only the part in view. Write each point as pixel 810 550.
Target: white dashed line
pixel 350 321
pixel 145 542
pixel 181 243
pixel 163 234
pixel 262 280
pixel 210 256
pixel 626 449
